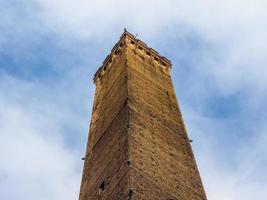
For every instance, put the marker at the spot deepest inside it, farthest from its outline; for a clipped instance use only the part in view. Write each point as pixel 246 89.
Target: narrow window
pixel 129 163
pixel 101 188
pixel 130 193
pixel 167 94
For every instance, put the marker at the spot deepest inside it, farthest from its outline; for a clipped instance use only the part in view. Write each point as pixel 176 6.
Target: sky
pixel 50 50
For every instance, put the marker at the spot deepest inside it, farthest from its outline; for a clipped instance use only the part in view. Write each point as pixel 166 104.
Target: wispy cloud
pixel 39 133
pixel 49 51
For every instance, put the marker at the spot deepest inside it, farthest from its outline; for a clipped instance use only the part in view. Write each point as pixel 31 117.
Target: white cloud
pixel 36 160
pixel 235 174
pixel 237 27
pixel 34 166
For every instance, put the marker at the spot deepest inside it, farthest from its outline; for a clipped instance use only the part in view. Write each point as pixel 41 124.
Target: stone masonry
pixel 138 146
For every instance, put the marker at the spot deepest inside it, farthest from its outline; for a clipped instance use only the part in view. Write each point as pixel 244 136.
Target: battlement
pixel 128 40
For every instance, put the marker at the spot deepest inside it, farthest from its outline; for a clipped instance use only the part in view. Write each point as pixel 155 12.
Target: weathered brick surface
pixel 138 146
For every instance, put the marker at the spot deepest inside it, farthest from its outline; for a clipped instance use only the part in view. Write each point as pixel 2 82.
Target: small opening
pixel 132 42
pixel 105 68
pixel 129 163
pixel 101 188
pixel 156 58
pixel 147 53
pixel 140 48
pixel 167 94
pixel 121 44
pixel 130 193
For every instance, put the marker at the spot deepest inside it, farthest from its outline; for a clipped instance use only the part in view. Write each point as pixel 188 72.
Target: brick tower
pixel 138 147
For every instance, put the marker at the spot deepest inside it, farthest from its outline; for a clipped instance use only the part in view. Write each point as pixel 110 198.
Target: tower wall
pixel 107 149
pixel 163 163
pixel 138 147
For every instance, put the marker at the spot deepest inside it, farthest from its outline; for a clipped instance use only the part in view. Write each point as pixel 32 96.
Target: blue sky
pixel 50 49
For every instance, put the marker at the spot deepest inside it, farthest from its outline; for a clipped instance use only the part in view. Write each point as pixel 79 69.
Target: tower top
pixel 128 39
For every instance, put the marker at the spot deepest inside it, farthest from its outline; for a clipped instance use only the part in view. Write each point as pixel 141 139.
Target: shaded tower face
pixel 138 147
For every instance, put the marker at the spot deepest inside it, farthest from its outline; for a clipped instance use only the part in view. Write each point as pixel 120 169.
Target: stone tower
pixel 138 147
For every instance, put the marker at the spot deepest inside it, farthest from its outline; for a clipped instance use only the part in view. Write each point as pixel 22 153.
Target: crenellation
pixel 139 47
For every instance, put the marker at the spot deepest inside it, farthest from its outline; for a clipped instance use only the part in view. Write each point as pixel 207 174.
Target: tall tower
pixel 138 147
